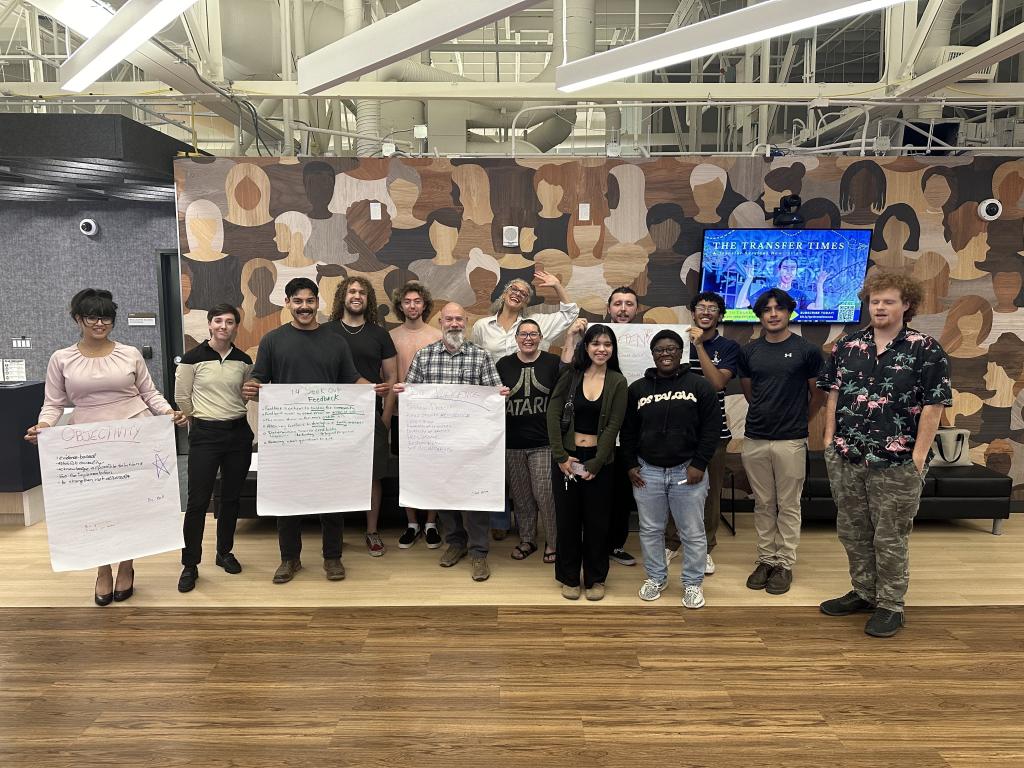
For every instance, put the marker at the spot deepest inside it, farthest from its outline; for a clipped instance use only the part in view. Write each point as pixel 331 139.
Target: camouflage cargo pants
pixel 876 514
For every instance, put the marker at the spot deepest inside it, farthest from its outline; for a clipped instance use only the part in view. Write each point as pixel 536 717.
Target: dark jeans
pixel 289 535
pixel 623 503
pixel 582 511
pixel 213 446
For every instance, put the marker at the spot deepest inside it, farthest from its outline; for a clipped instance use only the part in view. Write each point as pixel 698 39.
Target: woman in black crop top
pixel 591 395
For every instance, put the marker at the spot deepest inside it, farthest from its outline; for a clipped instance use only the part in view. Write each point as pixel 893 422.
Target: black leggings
pixel 582 511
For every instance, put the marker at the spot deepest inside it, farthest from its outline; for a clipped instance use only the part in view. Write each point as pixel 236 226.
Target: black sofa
pixel 949 493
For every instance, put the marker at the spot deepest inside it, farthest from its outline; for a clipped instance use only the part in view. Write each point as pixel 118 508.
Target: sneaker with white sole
pixel 671 554
pixel 709 566
pixel 432 537
pixel 374 545
pixel 651 589
pixel 693 596
pixel 409 537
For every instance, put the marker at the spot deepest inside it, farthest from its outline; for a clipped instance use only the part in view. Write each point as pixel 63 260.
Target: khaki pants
pixel 776 470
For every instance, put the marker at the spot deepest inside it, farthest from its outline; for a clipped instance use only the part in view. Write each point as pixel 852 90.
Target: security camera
pixel 89 227
pixel 990 210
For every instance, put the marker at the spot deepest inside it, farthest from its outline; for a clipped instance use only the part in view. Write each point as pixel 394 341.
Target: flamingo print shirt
pixel 882 393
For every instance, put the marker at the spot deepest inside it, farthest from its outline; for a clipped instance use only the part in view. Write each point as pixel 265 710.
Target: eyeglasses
pixel 666 351
pixel 706 309
pixel 96 320
pixel 518 292
pixel 528 335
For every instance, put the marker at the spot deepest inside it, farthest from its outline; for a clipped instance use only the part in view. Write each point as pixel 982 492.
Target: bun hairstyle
pixel 93 301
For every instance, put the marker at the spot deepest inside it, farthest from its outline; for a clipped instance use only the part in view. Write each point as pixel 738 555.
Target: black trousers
pixel 289 535
pixel 215 445
pixel 582 511
pixel 623 503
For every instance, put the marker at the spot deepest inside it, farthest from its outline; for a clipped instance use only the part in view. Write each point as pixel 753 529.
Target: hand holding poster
pixel 111 491
pixel 634 341
pixel 315 448
pixel 452 447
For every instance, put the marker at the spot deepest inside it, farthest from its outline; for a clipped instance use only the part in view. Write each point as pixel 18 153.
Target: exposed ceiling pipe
pixel 367 110
pixel 938 37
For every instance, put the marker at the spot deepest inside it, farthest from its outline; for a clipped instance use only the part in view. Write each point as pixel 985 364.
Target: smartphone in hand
pixel 577 468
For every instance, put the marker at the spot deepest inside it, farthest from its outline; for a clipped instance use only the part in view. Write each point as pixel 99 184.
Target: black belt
pixel 219 424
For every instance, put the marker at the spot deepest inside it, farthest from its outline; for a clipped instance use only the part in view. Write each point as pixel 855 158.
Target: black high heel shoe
pixel 121 595
pixel 102 600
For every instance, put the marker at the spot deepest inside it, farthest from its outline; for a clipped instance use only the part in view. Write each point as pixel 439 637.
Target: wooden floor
pixel 952 564
pixel 496 686
pixel 408 664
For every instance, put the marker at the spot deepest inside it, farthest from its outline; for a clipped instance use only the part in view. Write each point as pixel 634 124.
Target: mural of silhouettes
pixel 442 220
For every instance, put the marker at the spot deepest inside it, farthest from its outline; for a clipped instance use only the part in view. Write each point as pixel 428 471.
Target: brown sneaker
pixel 779 581
pixel 286 571
pixel 481 570
pixel 571 593
pixel 452 555
pixel 759 578
pixel 596 592
pixel 335 570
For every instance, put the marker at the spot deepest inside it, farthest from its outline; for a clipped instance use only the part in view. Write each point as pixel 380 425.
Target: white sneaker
pixel 709 566
pixel 693 596
pixel 670 554
pixel 651 590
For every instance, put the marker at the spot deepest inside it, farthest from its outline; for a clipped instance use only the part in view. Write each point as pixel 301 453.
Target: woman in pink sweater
pixel 104 381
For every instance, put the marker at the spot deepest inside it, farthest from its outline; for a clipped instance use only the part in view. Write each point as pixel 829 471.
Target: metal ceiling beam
pixel 991 52
pixel 257 90
pixel 159 62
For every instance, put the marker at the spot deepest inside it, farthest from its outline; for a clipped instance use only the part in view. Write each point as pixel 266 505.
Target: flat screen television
pixel 740 264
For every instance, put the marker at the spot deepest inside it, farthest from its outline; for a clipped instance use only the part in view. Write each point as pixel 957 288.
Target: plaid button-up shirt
pixel 469 364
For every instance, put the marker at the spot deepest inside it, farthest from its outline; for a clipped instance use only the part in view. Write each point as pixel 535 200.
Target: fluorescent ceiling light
pixel 125 31
pixel 411 30
pixel 753 24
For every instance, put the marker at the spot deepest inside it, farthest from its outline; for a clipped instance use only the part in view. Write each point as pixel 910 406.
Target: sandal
pixel 523 550
pixel 549 557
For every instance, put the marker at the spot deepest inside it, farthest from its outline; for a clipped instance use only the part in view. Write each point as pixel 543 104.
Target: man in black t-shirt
pixel 530 375
pixel 778 374
pixel 354 316
pixel 305 352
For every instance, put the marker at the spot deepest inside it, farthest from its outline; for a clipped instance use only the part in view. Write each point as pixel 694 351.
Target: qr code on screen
pixel 845 313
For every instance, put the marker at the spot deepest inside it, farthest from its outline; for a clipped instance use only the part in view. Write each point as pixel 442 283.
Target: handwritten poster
pixel 111 491
pixel 315 448
pixel 634 341
pixel 451 445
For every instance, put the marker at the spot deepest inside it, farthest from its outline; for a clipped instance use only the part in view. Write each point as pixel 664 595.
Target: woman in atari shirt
pixel 531 375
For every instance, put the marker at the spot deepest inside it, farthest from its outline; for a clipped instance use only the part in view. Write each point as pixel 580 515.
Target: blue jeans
pixel 661 495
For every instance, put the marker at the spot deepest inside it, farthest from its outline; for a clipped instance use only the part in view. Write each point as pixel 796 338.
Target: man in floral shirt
pixel 887 386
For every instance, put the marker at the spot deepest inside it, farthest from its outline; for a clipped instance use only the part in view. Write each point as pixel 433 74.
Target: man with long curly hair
pixel 354 316
pixel 887 385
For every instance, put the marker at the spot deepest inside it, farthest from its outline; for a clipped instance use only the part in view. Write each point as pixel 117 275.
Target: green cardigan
pixel 613 411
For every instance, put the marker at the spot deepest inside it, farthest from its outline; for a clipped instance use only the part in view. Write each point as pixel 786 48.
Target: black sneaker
pixel 187 580
pixel 622 557
pixel 759 578
pixel 229 563
pixel 884 623
pixel 849 603
pixel 780 581
pixel 432 537
pixel 408 538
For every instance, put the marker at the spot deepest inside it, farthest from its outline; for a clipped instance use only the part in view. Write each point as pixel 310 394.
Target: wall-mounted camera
pixel 787 215
pixel 990 210
pixel 89 227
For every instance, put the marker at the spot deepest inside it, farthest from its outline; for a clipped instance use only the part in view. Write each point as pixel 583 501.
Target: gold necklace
pixel 352 333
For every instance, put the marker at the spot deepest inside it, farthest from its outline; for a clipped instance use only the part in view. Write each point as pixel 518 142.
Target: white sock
pixel 415 526
pixel 431 525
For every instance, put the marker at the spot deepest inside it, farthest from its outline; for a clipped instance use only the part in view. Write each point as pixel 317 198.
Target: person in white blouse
pixel 497 334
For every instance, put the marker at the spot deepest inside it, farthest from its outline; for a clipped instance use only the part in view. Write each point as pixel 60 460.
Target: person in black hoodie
pixel 669 435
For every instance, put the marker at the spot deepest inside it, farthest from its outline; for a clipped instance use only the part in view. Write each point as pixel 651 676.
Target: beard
pixel 356 311
pixel 454 339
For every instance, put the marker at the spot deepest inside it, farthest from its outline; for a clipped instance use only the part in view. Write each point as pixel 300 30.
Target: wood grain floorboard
pixel 493 686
